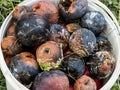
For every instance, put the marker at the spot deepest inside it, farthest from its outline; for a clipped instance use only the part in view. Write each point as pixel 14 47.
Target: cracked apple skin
pixel 59 34
pixel 82 42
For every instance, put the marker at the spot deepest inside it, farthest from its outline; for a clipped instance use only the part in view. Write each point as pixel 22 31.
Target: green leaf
pixel 45 66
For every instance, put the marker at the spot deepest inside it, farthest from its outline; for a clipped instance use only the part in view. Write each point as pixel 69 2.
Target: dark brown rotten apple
pixel 85 83
pixel 48 53
pixel 72 9
pixel 11 30
pixel 47 9
pixel 11 46
pixel 21 10
pixel 7 59
pixel 51 80
pixel 72 27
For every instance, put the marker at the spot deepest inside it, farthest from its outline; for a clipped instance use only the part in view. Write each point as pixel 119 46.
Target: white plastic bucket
pixel 113 34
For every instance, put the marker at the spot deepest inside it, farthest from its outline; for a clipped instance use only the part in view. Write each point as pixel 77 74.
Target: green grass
pixel 2 82
pixel 6 6
pixel 114 6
